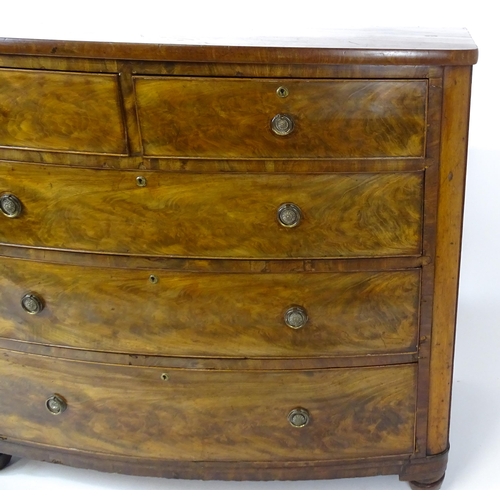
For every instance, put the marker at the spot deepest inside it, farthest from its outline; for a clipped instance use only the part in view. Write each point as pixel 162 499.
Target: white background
pixel 475 428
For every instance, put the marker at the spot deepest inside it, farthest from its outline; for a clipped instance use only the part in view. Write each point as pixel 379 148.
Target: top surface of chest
pixel 341 46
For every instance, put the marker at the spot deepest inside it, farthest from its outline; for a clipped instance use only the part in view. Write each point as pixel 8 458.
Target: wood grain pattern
pixel 58 111
pixel 214 265
pixel 445 46
pixel 185 314
pixel 182 68
pixel 227 215
pixel 362 412
pixel 208 470
pixel 376 163
pixel 211 363
pixel 456 99
pixel 230 118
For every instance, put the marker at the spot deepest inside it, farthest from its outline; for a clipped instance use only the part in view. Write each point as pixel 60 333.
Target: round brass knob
pixel 289 215
pixel 56 404
pixel 296 317
pixel 31 303
pixel 10 205
pixel 282 124
pixel 299 417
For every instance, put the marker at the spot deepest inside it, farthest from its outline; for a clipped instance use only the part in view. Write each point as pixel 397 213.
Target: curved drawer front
pixel 220 216
pixel 232 118
pixel 57 111
pixel 356 412
pixel 208 314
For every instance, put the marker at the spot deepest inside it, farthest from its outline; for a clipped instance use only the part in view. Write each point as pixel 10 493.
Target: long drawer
pixel 269 118
pixel 209 314
pixel 212 216
pixel 208 415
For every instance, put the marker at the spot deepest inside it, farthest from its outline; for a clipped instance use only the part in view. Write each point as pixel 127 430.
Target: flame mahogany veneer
pixel 233 261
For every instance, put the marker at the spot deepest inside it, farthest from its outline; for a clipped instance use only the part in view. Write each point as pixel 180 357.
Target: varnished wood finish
pixel 235 315
pixel 58 111
pixel 416 485
pixel 212 363
pixel 376 163
pixel 223 216
pixel 446 46
pixel 230 118
pixel 456 98
pixel 226 266
pixel 359 412
pixel 215 470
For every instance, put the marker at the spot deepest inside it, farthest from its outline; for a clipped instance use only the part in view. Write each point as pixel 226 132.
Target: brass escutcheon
pixel 141 181
pixel 282 91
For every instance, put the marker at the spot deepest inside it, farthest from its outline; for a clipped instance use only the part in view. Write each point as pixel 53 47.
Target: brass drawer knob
pixel 31 303
pixel 56 404
pixel 296 317
pixel 10 205
pixel 289 215
pixel 282 124
pixel 299 417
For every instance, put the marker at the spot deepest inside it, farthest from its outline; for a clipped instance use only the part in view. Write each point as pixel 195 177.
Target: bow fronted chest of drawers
pixel 232 262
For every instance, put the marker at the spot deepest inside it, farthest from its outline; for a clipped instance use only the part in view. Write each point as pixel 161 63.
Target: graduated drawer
pixel 58 111
pixel 213 215
pixel 175 414
pixel 233 118
pixel 208 314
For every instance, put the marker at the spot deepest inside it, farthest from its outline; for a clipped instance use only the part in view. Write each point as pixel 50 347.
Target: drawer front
pixel 57 111
pixel 356 412
pixel 232 118
pixel 221 216
pixel 207 314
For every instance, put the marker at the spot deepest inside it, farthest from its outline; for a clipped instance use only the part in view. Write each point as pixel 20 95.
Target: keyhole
pixel 141 181
pixel 282 91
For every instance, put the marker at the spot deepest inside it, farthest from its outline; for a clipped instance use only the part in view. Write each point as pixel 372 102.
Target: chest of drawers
pixel 232 262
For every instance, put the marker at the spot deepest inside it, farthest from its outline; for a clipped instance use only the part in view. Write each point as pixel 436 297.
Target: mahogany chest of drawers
pixel 232 262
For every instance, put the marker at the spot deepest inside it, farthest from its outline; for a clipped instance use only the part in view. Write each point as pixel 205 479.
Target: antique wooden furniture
pixel 232 262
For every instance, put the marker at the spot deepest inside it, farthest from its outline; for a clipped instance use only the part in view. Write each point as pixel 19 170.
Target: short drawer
pixel 208 415
pixel 268 118
pixel 220 215
pixel 208 314
pixel 58 111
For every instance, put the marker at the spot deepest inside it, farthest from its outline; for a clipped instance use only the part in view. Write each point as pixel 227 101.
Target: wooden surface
pixel 456 98
pixel 354 412
pixel 348 215
pixel 231 118
pixel 236 315
pixel 344 46
pixel 124 71
pixel 376 163
pixel 59 111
